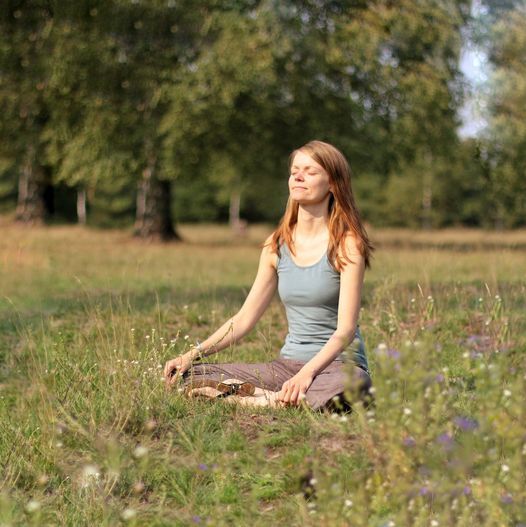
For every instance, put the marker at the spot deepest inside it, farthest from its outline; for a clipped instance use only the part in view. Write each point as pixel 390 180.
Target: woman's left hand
pixel 293 391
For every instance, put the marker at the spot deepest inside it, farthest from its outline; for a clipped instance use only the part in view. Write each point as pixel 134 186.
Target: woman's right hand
pixel 176 367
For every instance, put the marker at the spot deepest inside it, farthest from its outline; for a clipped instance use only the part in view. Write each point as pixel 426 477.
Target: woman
pixel 316 258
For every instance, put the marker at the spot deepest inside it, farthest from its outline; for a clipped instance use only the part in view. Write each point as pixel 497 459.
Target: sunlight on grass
pixel 89 436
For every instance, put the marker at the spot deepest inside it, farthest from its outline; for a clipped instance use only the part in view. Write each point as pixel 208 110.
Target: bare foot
pixel 261 397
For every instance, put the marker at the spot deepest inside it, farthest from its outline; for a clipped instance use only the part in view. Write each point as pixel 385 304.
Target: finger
pixel 282 392
pixel 294 395
pixel 288 393
pixel 169 368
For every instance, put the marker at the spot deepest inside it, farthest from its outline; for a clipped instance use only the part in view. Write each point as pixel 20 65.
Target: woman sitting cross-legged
pixel 316 259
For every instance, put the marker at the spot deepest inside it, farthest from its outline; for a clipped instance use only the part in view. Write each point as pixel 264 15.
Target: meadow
pixel 89 436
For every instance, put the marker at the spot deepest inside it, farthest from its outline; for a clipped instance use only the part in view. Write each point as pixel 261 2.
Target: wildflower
pixel 186 337
pixel 424 491
pixel 202 466
pixel 409 441
pixel 407 411
pixel 128 514
pixel 140 452
pixel 434 523
pixel 466 490
pixel 446 440
pixel 505 468
pixel 465 423
pixel 348 503
pixel 507 393
pixel 439 378
pixel 90 475
pixel 32 506
pixel 393 353
pixel 196 519
pixel 506 498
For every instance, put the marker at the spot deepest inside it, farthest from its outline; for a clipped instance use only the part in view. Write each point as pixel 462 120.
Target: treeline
pixel 161 111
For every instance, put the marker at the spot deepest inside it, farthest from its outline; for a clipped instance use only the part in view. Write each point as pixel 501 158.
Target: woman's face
pixel 309 183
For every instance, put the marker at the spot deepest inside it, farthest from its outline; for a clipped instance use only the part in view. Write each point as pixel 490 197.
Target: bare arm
pixel 242 322
pixel 256 303
pixel 351 281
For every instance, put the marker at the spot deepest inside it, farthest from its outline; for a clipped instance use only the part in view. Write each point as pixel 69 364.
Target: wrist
pixel 196 352
pixel 308 372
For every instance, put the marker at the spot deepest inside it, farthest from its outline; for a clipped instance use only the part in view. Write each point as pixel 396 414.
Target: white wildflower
pixel 128 514
pixel 140 452
pixel 32 506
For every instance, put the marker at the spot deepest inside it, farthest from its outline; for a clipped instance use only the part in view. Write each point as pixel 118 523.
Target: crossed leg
pixel 269 378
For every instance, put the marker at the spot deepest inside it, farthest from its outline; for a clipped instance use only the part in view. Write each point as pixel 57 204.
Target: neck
pixel 313 220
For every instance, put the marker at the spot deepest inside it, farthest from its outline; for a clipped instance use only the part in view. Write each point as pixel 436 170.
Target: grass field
pixel 88 435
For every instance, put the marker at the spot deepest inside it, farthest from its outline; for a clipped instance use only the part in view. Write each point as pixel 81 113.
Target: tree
pixel 24 51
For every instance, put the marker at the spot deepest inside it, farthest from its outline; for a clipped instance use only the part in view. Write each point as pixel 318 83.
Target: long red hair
pixel 344 217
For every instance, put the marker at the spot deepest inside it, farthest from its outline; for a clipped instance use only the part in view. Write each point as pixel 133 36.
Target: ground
pixel 90 437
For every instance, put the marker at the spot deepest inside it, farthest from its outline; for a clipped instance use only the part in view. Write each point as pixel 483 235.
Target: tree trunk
pixel 153 213
pixel 31 206
pixel 427 194
pixel 81 206
pixel 238 226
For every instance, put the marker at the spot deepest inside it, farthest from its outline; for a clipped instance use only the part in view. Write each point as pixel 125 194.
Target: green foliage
pixel 506 137
pixel 213 96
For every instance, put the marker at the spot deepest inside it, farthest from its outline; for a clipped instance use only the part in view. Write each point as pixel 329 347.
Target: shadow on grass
pixel 16 322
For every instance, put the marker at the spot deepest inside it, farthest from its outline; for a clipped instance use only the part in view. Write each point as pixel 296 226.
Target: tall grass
pixel 89 436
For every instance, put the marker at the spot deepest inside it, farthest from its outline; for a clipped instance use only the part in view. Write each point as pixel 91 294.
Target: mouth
pixel 299 188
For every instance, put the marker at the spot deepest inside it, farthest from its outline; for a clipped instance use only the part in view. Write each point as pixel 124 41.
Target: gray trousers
pixel 333 381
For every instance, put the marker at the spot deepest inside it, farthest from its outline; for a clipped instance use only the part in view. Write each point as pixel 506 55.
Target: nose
pixel 298 176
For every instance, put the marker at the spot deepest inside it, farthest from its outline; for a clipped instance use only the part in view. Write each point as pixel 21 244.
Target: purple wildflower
pixel 506 498
pixel 439 377
pixel 466 424
pixel 409 441
pixel 466 490
pixel 393 353
pixel 203 466
pixel 196 519
pixel 446 440
pixel 424 491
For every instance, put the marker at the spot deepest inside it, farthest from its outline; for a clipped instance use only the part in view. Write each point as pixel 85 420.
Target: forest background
pixel 155 112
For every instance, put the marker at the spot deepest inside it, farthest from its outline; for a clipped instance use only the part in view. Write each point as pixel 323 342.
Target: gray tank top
pixel 310 295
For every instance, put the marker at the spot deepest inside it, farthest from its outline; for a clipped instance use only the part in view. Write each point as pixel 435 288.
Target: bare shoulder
pixel 267 255
pixel 352 248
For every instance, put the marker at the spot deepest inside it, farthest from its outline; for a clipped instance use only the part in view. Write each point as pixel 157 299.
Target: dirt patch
pixel 253 424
